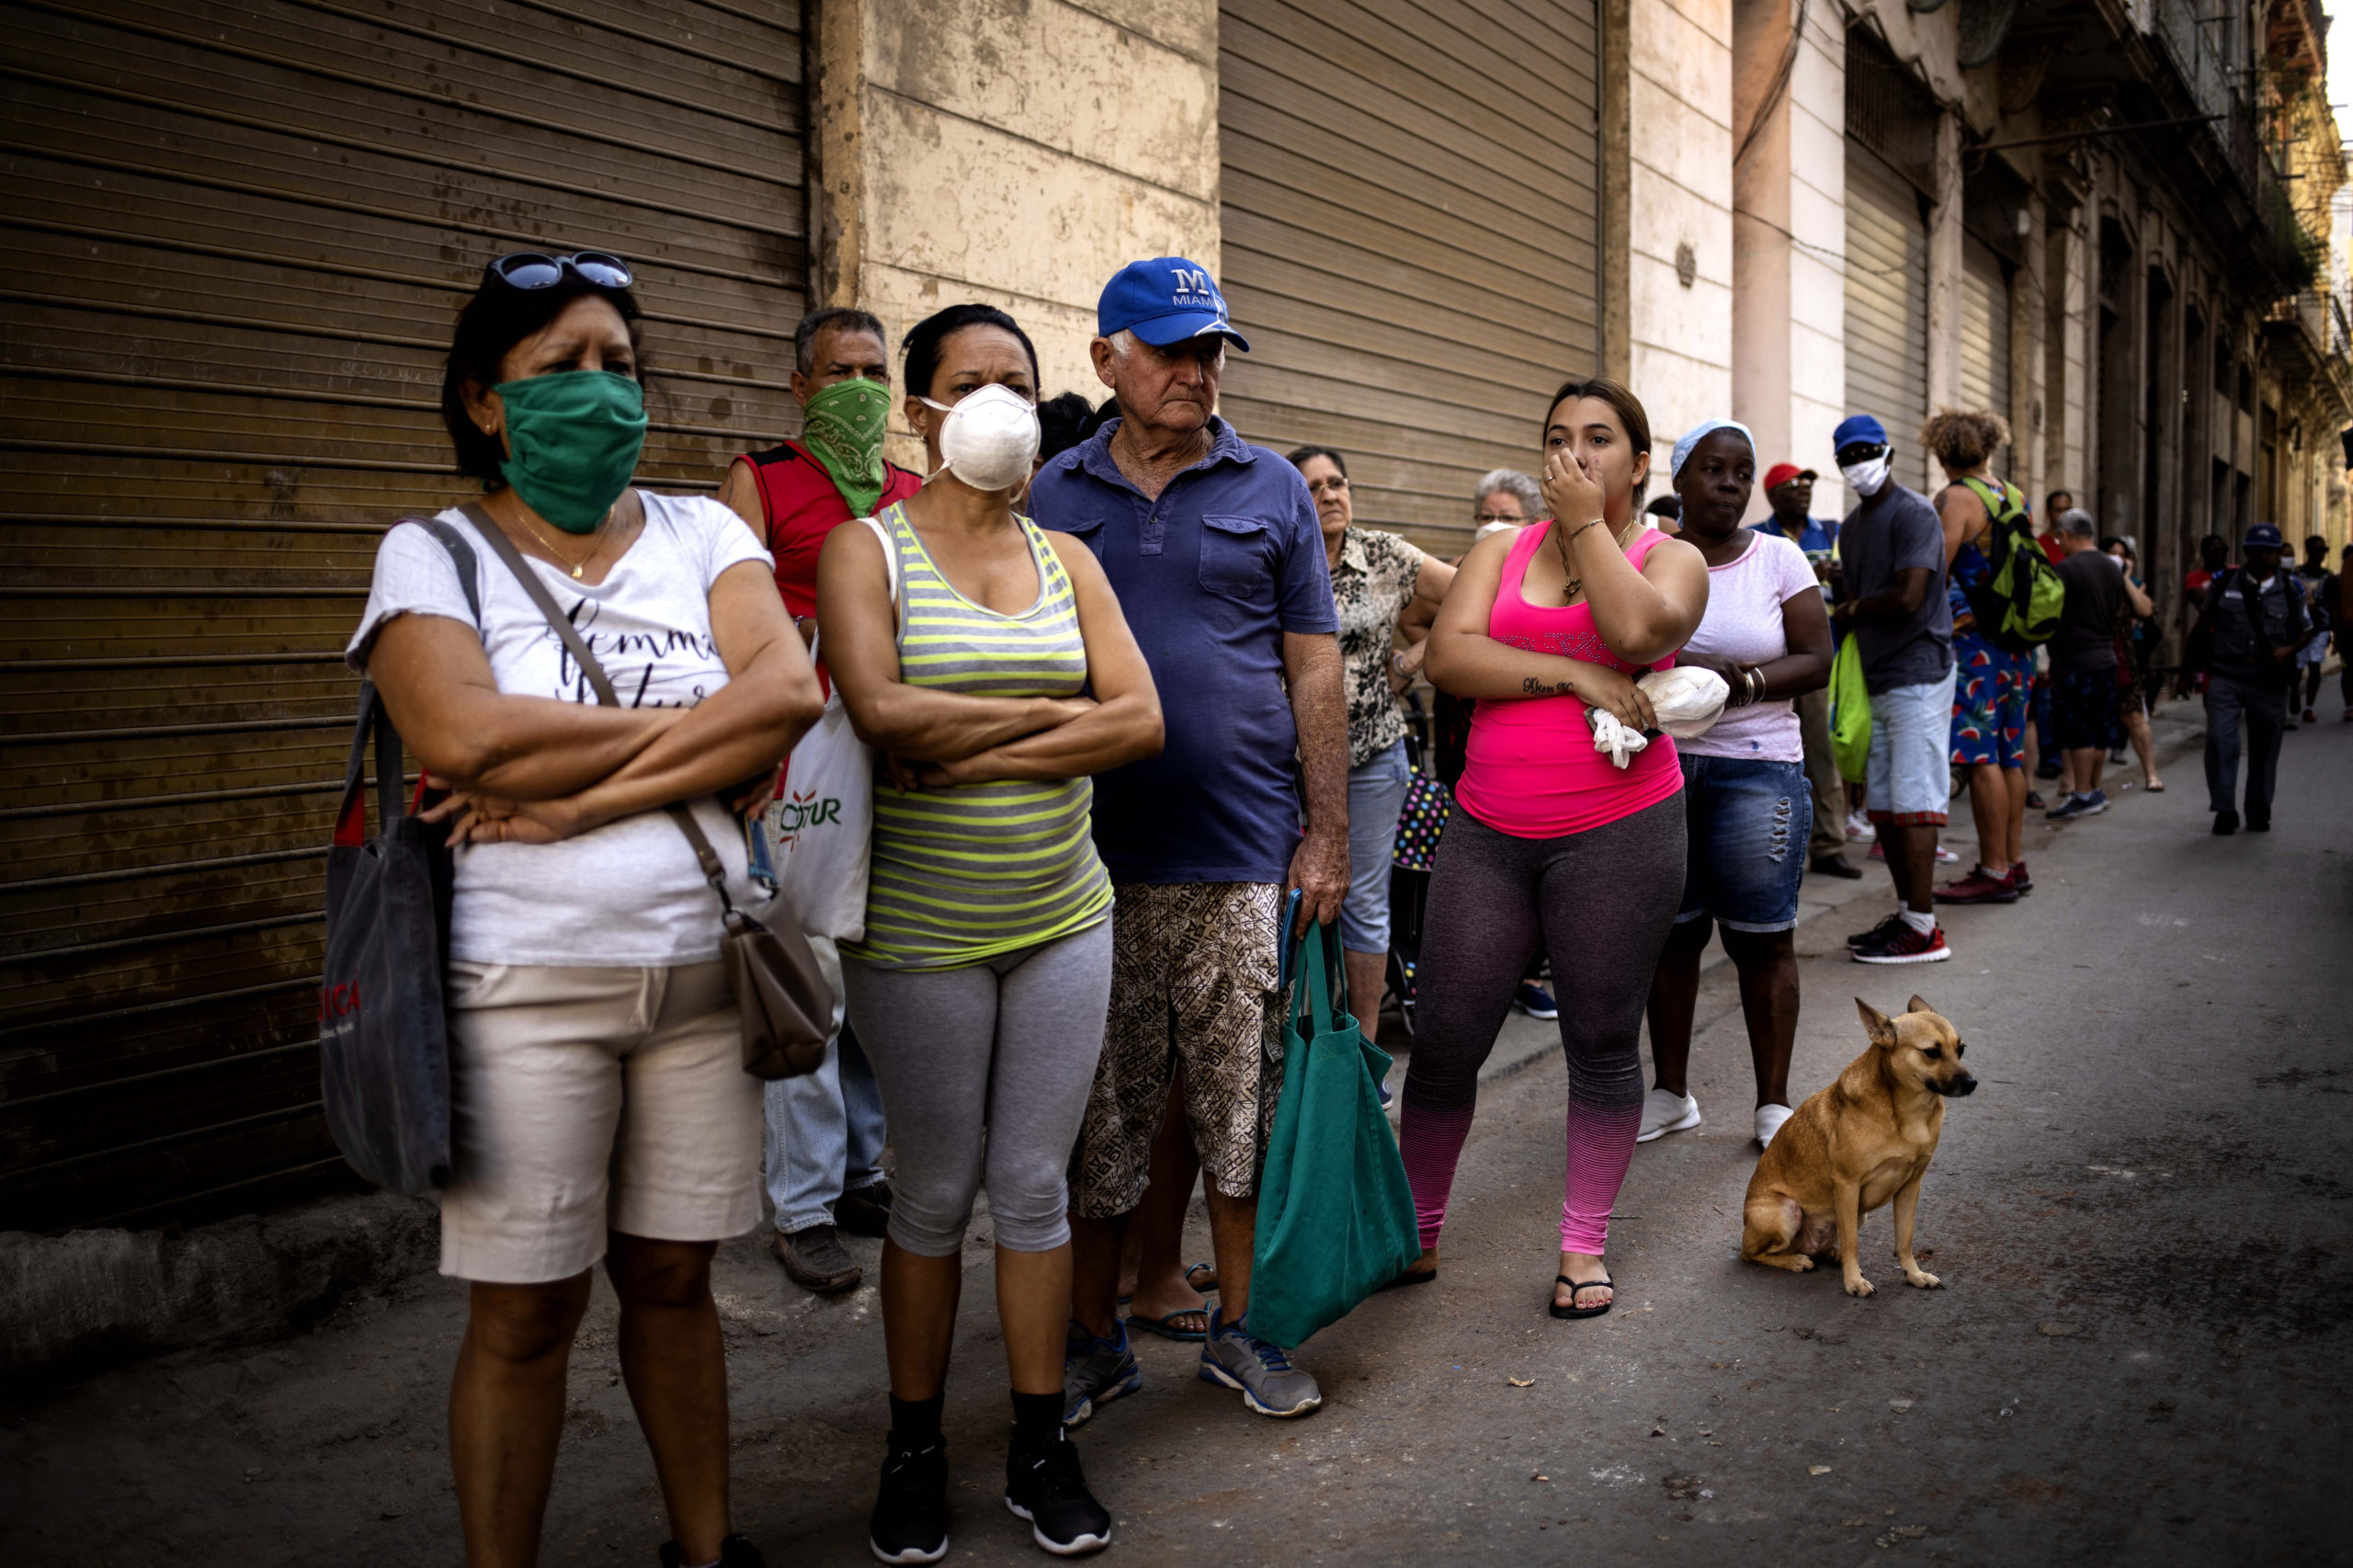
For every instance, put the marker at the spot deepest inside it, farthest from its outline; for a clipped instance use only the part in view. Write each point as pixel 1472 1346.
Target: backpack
pixel 2018 605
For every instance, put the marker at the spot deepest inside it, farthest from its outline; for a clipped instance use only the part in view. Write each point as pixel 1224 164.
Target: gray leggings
pixel 985 1072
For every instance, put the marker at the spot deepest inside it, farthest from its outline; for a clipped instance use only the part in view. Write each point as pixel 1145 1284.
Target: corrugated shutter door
pixel 1984 333
pixel 1887 306
pixel 238 236
pixel 1409 238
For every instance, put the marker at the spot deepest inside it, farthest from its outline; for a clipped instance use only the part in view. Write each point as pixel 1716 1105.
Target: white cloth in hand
pixel 1686 699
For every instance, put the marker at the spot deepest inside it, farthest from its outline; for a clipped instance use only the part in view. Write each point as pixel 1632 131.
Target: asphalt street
pixel 2139 1353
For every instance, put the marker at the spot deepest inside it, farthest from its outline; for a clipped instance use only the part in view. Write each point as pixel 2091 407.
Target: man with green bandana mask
pixel 824 1130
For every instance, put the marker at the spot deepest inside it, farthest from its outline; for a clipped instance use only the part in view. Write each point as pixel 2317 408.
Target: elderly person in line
pixel 1213 548
pixel 1382 587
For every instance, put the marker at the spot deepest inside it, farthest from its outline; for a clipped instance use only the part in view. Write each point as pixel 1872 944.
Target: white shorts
pixel 2314 650
pixel 591 1100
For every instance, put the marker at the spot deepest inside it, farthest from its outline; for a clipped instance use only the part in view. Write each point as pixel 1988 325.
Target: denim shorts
pixel 2083 708
pixel 1746 823
pixel 1376 794
pixel 1911 761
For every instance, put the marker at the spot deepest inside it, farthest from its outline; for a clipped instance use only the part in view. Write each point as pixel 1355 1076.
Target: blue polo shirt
pixel 1821 533
pixel 1210 577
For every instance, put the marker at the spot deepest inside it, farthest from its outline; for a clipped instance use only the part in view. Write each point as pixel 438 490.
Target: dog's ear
pixel 1877 1024
pixel 1918 1005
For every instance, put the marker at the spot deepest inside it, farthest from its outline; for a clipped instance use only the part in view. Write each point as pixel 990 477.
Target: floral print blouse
pixel 1370 588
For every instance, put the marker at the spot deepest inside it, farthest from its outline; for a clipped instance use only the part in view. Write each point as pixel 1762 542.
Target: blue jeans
pixel 1376 794
pixel 824 1129
pixel 1746 823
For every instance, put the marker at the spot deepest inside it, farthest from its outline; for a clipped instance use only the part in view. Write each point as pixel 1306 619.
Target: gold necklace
pixel 561 559
pixel 1569 590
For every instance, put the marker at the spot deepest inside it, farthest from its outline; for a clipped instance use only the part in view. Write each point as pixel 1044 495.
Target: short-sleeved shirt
pixel 1370 590
pixel 2087 636
pixel 1210 576
pixel 628 892
pixel 1744 623
pixel 1817 538
pixel 803 505
pixel 1897 530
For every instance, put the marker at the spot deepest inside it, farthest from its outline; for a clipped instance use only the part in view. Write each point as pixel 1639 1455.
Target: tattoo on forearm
pixel 1532 687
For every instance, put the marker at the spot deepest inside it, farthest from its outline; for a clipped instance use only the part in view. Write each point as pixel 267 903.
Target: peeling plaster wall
pixel 1018 153
pixel 1680 146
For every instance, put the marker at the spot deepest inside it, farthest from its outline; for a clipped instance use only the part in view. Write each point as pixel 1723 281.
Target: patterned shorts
pixel 1193 981
pixel 1989 704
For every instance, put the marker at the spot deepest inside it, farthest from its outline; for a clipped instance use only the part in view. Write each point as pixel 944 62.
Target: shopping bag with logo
pixel 1850 712
pixel 1336 1213
pixel 821 825
pixel 383 1041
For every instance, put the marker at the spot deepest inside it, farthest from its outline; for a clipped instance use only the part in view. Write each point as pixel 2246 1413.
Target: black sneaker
pixel 1042 1484
pixel 1876 935
pixel 735 1551
pixel 910 1522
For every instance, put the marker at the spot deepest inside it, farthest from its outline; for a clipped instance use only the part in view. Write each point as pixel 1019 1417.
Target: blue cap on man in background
pixel 1855 430
pixel 2262 535
pixel 1165 300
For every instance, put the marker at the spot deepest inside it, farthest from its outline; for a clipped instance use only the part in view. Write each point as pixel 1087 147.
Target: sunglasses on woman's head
pixel 536 269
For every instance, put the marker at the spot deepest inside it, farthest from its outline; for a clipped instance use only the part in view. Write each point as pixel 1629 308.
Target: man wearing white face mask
pixel 1892 547
pixel 1219 562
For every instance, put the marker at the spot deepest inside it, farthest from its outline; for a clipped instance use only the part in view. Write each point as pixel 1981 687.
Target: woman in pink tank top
pixel 1555 848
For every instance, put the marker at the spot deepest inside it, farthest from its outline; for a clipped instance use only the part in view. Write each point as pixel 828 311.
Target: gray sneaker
pixel 1095 1372
pixel 814 1259
pixel 1270 1383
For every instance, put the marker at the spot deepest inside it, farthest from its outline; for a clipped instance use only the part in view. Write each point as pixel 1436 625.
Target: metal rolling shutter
pixel 239 234
pixel 1410 237
pixel 1887 306
pixel 1984 334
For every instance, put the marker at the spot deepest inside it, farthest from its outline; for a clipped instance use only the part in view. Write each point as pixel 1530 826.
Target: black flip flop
pixel 1574 1286
pixel 1410 1277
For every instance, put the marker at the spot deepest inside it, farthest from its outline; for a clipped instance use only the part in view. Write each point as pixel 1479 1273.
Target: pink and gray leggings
pixel 1599 903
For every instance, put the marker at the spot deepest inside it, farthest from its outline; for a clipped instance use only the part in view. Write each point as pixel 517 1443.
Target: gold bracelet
pixel 1597 522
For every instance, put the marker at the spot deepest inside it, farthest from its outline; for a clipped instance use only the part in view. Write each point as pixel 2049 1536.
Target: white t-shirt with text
pixel 629 894
pixel 1743 624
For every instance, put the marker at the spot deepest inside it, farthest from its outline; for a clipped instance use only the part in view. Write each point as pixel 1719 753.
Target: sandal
pixel 1197 1287
pixel 2154 786
pixel 1409 1277
pixel 1604 1283
pixel 1165 1327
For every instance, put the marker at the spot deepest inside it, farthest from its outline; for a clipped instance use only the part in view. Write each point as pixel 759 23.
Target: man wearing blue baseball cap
pixel 1213 547
pixel 1895 556
pixel 2253 621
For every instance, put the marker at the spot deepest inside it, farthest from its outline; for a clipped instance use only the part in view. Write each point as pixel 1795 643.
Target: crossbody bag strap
pixel 713 871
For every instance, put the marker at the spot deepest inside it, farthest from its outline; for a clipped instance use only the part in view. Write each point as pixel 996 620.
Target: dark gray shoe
pixel 1095 1372
pixel 865 1211
pixel 1270 1383
pixel 814 1259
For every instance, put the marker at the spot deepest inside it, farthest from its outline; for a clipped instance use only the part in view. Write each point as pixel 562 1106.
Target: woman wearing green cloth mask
pixel 600 1110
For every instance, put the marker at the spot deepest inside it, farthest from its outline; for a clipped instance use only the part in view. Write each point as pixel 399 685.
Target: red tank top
pixel 802 508
pixel 1531 770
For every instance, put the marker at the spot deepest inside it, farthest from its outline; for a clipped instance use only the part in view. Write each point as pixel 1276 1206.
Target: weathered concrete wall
pixel 70 1304
pixel 1790 238
pixel 1015 152
pixel 1680 214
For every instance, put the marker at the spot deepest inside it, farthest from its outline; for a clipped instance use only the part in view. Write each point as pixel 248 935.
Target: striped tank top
pixel 970 872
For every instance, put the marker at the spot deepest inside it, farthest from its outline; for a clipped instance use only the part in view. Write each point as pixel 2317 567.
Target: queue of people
pixel 1127 681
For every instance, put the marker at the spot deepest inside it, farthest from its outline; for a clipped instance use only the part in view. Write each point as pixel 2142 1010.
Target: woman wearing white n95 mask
pixel 988 660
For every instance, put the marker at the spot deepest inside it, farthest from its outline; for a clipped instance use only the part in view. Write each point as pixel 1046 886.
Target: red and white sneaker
pixel 1980 886
pixel 1907 945
pixel 2019 880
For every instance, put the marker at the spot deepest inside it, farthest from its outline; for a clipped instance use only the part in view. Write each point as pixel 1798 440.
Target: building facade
pixel 240 240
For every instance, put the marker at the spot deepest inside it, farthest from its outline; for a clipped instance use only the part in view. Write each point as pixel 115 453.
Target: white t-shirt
pixel 1743 624
pixel 629 894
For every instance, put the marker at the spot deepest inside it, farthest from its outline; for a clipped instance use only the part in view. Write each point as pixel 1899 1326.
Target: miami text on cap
pixel 1859 428
pixel 1165 300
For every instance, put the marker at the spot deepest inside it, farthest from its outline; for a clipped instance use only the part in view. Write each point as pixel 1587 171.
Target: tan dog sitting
pixel 1863 1140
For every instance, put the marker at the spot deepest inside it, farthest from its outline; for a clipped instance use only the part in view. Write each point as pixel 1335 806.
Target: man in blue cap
pixel 1892 547
pixel 1213 547
pixel 2253 621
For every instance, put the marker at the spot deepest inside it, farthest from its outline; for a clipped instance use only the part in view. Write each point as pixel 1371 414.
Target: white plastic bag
pixel 821 825
pixel 1687 699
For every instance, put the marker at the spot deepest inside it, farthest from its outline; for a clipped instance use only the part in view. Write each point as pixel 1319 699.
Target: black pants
pixel 2231 695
